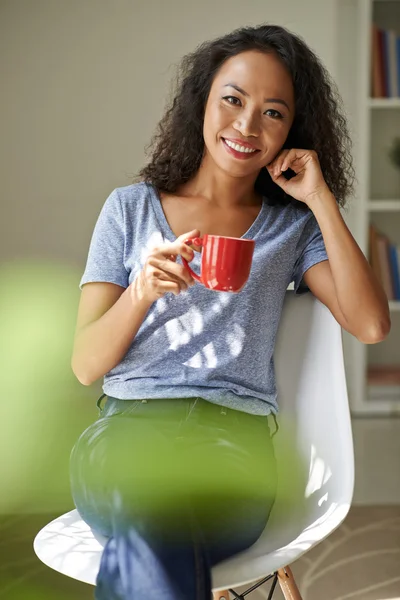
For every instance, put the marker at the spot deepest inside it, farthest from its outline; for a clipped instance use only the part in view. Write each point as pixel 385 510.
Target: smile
pixel 238 151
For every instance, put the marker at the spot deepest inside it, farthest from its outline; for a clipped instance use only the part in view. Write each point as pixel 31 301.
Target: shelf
pixel 375 122
pixel 384 205
pixel 384 102
pixel 394 305
pixel 382 393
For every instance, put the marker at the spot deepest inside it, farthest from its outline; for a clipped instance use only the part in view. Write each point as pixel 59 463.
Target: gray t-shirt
pixel 214 345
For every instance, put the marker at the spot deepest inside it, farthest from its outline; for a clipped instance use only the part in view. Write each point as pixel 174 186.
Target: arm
pixel 110 316
pixel 346 283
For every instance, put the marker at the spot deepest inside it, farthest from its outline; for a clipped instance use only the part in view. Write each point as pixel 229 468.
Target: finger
pixel 160 282
pixel 190 234
pixel 277 162
pixel 164 287
pixel 287 160
pixel 298 158
pixel 296 165
pixel 175 249
pixel 179 272
pixel 185 250
pixel 183 285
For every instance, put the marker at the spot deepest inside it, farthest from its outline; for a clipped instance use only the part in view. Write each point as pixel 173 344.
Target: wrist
pixel 138 294
pixel 322 200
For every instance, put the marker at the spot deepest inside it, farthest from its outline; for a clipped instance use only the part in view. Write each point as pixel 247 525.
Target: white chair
pixel 313 395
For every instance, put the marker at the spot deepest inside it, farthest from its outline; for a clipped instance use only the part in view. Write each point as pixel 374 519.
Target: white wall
pixel 83 86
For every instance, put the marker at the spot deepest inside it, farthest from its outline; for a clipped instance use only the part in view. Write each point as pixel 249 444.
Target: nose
pixel 248 124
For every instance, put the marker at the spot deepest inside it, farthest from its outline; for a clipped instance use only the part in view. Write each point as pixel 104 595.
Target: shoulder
pixel 128 203
pixel 130 196
pixel 292 214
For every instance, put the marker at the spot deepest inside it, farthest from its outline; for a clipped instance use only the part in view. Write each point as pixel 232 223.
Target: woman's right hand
pixel 162 274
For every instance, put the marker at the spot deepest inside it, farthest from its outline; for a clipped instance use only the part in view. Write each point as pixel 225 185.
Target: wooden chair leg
pixel 288 585
pixel 222 595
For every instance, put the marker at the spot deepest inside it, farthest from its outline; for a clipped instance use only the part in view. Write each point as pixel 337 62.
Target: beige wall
pixel 83 86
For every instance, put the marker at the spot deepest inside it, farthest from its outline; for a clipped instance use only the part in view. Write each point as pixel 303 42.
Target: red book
pixel 377 86
pixel 383 63
pixel 383 375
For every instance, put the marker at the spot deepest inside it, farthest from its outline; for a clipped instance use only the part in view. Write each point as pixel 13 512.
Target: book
pixel 373 251
pixel 393 252
pixel 377 88
pixel 384 262
pixel 392 64
pixel 398 260
pixel 398 64
pixel 384 63
pixel 384 60
pixel 381 375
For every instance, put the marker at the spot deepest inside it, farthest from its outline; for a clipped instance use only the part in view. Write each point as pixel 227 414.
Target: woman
pixel 178 472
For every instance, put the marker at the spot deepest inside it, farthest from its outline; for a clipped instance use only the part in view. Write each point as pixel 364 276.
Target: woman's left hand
pixel 308 182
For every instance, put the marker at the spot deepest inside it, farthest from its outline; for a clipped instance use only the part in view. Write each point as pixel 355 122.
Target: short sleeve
pixel 105 261
pixel 310 251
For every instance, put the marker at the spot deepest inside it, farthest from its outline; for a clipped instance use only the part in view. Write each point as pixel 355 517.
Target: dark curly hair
pixel 177 147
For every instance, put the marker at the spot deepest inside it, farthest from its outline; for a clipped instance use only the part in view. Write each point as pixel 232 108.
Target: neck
pixel 220 188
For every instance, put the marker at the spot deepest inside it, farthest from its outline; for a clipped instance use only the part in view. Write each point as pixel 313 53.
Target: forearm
pixel 102 344
pixel 360 295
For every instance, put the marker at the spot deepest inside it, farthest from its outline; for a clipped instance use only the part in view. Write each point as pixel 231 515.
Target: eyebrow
pixel 241 91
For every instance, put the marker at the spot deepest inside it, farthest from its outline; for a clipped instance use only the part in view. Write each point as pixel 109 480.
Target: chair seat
pixel 69 546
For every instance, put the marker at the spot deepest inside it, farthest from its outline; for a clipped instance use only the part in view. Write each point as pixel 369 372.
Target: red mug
pixel 225 262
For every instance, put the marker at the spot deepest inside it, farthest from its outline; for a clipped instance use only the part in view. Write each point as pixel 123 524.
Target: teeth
pixel 239 148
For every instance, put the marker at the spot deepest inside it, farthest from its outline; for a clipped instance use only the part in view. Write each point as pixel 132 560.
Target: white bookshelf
pixel 383 102
pixel 384 206
pixel 374 123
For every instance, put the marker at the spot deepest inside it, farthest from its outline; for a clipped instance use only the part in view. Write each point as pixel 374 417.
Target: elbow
pixel 84 380
pixel 377 332
pixel 82 376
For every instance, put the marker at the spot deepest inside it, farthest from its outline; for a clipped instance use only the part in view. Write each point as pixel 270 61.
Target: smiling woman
pixel 249 124
pixel 290 84
pixel 253 146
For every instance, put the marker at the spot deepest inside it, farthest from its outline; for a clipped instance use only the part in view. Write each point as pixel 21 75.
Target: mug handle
pixel 196 242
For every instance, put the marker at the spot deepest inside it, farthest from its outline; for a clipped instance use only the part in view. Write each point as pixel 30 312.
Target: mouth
pixel 238 151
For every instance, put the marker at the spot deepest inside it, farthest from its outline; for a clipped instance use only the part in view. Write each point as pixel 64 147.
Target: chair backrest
pixel 314 411
pixel 312 397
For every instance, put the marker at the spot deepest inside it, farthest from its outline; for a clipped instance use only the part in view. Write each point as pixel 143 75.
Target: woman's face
pixel 250 106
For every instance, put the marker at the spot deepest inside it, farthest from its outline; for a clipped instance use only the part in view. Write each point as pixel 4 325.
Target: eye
pixel 273 113
pixel 232 100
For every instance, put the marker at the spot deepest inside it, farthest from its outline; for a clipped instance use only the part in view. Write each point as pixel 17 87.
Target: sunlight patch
pixel 319 473
pixel 205 358
pixel 182 329
pixel 156 239
pixel 235 339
